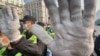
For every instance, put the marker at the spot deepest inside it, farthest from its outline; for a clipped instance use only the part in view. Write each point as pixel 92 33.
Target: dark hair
pixel 29 18
pixel 41 23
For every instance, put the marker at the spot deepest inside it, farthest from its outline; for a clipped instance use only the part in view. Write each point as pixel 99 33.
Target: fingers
pixel 53 11
pixel 14 13
pixel 2 22
pixel 64 10
pixel 8 13
pixel 1 15
pixel 15 17
pixel 75 10
pixel 89 12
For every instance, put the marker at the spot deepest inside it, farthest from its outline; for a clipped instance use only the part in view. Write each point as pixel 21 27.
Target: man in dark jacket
pixel 28 22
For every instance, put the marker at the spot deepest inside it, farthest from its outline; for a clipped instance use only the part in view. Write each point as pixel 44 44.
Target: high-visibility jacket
pixel 33 38
pixel 50 32
pixel 18 54
pixel 2 50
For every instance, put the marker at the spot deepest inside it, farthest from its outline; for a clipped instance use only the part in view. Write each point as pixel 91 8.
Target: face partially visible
pixel 28 24
pixel 4 41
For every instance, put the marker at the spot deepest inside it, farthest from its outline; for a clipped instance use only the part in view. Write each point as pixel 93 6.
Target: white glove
pixel 10 23
pixel 2 22
pixel 73 31
pixel 41 33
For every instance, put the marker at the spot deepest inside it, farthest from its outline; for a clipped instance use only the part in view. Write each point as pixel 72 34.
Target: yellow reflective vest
pixel 2 50
pixel 33 38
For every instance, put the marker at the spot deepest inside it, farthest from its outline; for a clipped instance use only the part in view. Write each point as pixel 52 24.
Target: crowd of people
pixel 26 23
pixel 72 33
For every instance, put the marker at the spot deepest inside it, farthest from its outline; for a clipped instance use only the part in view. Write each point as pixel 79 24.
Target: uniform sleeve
pixel 28 48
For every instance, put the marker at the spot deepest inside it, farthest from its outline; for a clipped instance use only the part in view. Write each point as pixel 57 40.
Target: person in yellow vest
pixel 50 32
pixel 28 22
pixel 73 30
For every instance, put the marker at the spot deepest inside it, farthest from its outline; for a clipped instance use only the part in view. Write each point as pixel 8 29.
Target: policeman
pixel 28 22
pixel 50 32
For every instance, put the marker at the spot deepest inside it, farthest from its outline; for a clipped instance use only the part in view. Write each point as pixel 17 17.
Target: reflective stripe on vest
pixel 23 33
pixel 52 34
pixel 33 38
pixel 2 50
pixel 18 54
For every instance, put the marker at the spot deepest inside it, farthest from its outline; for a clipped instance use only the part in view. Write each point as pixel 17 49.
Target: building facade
pixel 18 4
pixel 37 9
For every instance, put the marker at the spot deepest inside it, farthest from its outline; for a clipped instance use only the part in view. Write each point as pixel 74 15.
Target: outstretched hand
pixel 9 23
pixel 73 30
